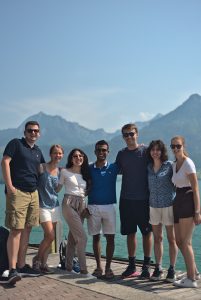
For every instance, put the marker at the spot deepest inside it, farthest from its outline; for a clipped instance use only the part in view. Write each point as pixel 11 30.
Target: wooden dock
pixel 62 285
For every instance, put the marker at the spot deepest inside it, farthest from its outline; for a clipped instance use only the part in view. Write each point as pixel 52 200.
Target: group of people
pixel 154 192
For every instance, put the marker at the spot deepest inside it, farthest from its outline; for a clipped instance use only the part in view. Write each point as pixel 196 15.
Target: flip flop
pixel 109 274
pixel 97 273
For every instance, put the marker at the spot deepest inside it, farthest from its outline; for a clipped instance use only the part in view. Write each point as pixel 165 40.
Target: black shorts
pixel 183 205
pixel 133 214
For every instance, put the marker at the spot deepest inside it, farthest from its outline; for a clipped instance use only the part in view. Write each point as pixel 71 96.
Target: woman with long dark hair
pixel 76 180
pixel 162 193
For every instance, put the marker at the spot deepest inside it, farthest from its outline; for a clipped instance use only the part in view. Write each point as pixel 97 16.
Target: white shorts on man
pixel 102 219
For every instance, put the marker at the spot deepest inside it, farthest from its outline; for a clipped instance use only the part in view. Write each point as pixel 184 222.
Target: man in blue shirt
pixel 20 165
pixel 101 205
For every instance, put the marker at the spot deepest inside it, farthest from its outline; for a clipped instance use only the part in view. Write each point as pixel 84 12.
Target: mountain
pixel 185 120
pixel 56 130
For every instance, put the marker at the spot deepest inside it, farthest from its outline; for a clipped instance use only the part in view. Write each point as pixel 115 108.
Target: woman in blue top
pixel 49 206
pixel 161 198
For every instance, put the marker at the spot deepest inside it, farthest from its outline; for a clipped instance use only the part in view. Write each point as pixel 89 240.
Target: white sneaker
pixel 88 275
pixel 184 275
pixel 185 283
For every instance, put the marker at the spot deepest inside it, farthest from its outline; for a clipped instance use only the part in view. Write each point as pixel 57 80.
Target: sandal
pixel 109 274
pixel 97 273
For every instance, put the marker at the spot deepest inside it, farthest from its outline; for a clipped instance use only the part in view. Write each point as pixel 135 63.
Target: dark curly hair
pixel 161 146
pixel 84 167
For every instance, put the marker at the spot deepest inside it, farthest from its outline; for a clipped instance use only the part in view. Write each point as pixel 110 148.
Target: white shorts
pixel 162 216
pixel 102 217
pixel 47 214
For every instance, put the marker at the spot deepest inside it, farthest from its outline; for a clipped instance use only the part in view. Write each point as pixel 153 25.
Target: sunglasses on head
pixel 177 146
pixel 127 134
pixel 29 130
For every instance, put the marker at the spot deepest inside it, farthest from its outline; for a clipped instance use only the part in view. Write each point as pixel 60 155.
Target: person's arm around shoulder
pixel 5 164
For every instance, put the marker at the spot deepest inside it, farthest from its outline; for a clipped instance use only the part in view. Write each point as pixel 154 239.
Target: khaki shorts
pixel 22 208
pixel 102 217
pixel 162 216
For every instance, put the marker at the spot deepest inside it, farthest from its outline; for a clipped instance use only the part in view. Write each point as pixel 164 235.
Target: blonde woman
pixel 186 208
pixel 49 206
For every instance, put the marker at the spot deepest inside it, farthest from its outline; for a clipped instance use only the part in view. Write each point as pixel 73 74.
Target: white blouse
pixel 180 178
pixel 73 182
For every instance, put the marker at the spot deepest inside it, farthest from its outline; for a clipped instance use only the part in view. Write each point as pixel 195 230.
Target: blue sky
pixel 101 63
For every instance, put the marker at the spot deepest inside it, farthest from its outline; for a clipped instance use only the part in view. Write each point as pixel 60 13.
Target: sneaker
pixel 184 275
pixel 157 274
pixel 27 271
pixel 145 274
pixel 13 276
pixel 129 272
pixel 185 283
pixel 76 266
pixel 171 277
pixel 45 269
pixel 4 279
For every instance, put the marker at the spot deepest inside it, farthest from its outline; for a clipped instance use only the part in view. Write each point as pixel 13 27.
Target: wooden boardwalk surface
pixel 62 285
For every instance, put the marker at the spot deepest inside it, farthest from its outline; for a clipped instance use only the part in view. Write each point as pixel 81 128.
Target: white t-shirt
pixel 180 178
pixel 74 183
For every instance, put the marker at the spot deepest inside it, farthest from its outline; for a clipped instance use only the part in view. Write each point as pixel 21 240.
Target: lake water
pixel 120 241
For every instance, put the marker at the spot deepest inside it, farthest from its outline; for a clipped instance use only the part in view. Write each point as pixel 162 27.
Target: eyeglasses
pixel 29 130
pixel 127 134
pixel 177 146
pixel 78 156
pixel 101 150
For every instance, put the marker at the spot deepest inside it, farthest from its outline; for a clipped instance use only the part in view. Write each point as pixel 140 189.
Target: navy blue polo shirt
pixel 103 190
pixel 24 165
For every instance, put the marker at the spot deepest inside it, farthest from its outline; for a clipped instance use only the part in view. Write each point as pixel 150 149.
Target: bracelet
pixel 197 211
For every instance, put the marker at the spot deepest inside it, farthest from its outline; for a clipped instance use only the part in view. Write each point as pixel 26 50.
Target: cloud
pixel 145 116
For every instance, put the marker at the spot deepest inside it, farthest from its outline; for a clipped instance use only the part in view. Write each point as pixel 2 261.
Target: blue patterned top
pixel 48 197
pixel 161 188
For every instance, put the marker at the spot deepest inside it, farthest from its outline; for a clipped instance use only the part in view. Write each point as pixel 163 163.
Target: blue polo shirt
pixel 103 190
pixel 24 165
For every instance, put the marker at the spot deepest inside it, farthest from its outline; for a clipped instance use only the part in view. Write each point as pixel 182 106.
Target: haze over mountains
pixel 184 120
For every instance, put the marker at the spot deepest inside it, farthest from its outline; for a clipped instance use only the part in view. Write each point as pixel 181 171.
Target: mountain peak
pixel 193 99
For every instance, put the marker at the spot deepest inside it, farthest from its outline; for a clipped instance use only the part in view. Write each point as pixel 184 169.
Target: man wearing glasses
pixel 20 163
pixel 101 205
pixel 134 203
